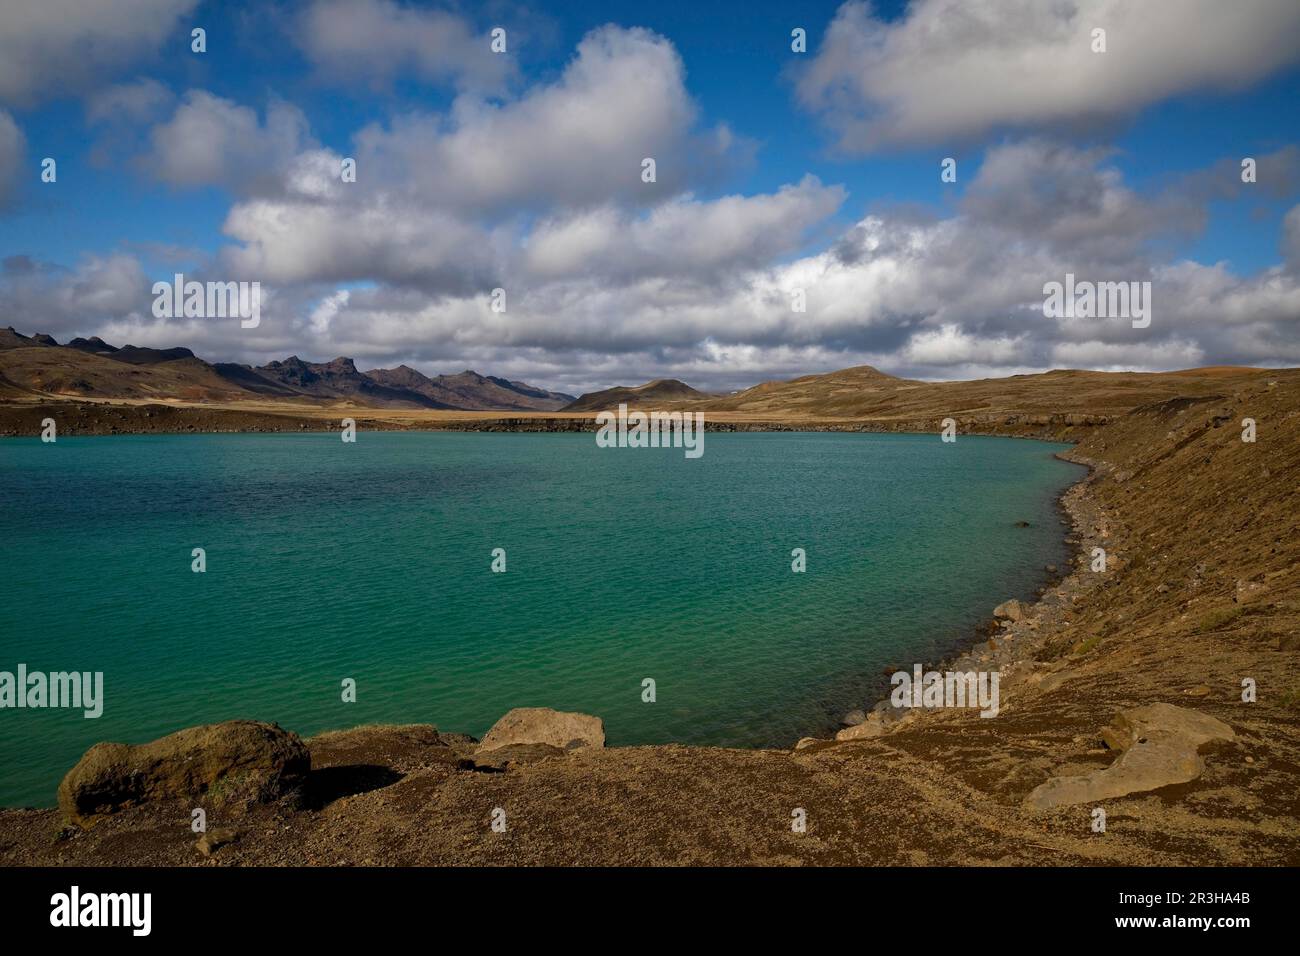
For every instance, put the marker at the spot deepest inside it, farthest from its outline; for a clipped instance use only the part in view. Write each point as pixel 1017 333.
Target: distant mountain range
pixel 38 366
pixel 91 368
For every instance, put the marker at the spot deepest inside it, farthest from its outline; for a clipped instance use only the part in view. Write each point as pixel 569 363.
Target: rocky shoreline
pixel 1009 639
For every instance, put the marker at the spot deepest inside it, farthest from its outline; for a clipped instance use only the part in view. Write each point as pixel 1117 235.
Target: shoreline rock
pixel 232 764
pixel 1160 746
pixel 542 725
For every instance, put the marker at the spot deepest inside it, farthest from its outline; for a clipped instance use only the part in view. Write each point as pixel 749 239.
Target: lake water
pixel 372 561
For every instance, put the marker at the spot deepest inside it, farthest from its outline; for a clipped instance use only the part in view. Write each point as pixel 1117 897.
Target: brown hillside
pixel 865 394
pixel 66 372
pixel 658 392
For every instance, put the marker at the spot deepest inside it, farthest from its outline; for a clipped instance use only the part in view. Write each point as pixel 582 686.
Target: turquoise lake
pixel 372 561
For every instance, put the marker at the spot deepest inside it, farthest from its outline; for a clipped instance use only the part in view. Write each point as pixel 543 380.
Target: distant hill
pixel 37 366
pixel 56 370
pixel 93 344
pixel 660 391
pixel 470 390
pixel 92 368
pixel 865 394
pixel 335 380
pixel 9 339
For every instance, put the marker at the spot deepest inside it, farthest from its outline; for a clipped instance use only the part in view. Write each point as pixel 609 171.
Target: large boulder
pixel 542 725
pixel 872 726
pixel 1011 610
pixel 231 765
pixel 1160 746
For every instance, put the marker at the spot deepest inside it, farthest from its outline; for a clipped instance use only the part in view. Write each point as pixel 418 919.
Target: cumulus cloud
pixel 1072 198
pixel 952 69
pixel 376 40
pixel 577 141
pixel 685 238
pixel 444 203
pixel 693 289
pixel 952 345
pixel 299 241
pixel 1117 357
pixel 937 298
pixel 99 291
pixel 211 140
pixel 56 47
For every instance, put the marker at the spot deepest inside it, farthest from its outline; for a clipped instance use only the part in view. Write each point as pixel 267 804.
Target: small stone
pixel 1249 591
pixel 1201 690
pixel 214 840
pixel 852 718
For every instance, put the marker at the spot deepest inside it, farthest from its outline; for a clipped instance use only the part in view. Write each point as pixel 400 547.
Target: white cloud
pixel 1071 198
pixel 55 47
pixel 1117 357
pixel 376 40
pixel 934 299
pixel 577 141
pixel 952 345
pixel 211 140
pixel 294 241
pixel 101 289
pixel 439 203
pixel 684 237
pixel 951 69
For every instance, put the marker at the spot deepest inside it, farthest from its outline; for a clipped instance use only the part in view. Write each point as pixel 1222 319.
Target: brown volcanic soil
pixel 1203 590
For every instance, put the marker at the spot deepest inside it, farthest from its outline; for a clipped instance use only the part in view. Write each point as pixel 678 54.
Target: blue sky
pixel 169 159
